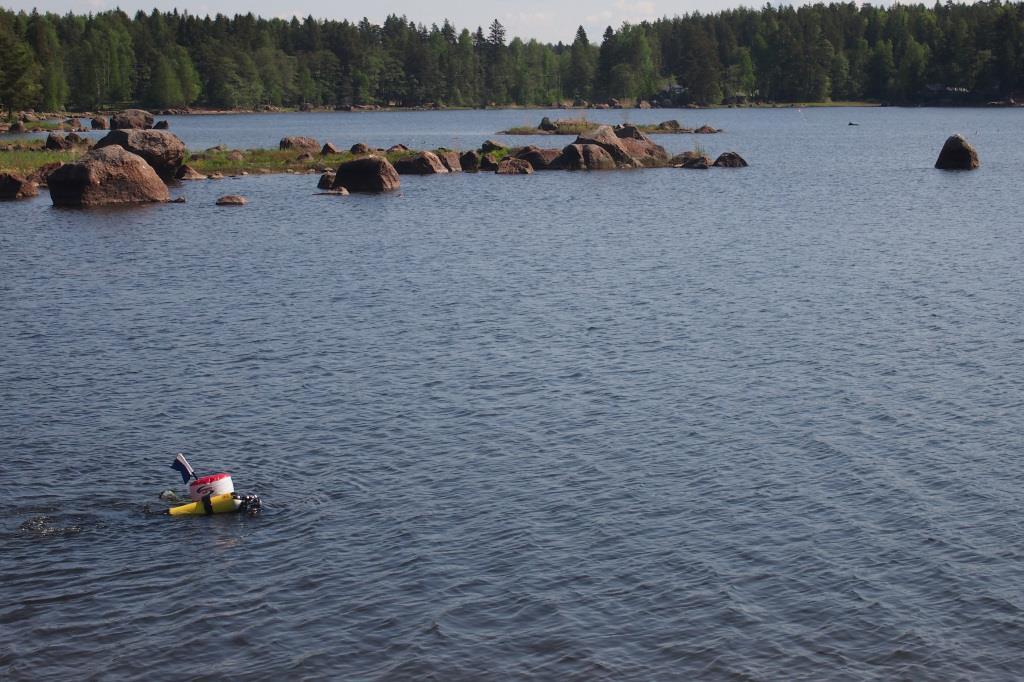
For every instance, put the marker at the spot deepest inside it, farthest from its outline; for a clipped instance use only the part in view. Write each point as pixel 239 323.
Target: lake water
pixel 730 424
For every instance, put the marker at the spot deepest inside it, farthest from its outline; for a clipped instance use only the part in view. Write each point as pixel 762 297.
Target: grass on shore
pixel 25 157
pixel 25 161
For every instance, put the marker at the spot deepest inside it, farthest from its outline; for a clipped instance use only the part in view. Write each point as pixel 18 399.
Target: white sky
pixel 545 20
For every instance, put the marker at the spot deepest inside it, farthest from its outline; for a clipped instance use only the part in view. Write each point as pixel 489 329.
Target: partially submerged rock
pixel 100 123
pixel 491 146
pixel 707 130
pixel 14 186
pixel 957 154
pixel 41 175
pixel 692 160
pixel 423 163
pixel 488 162
pixel 539 159
pixel 132 119
pixel 730 160
pixel 470 161
pixel 367 174
pixel 585 157
pixel 161 150
pixel 187 172
pixel 641 147
pixel 450 160
pixel 513 166
pixel 232 200
pixel 161 125
pixel 605 137
pixel 107 176
pixel 326 180
pixel 547 125
pixel 306 144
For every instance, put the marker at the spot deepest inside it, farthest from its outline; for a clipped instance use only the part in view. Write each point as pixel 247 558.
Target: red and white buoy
pixel 216 484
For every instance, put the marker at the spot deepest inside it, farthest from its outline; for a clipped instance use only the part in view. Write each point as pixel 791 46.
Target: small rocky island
pixel 576 126
pixel 137 160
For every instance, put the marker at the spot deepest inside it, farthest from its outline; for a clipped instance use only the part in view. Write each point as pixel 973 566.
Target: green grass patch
pixel 230 162
pixel 26 160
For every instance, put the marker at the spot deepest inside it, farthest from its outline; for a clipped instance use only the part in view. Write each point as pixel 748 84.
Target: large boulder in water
pixel 547 125
pixel 99 123
pixel 424 163
pixel 730 160
pixel 367 174
pixel 302 144
pixel 13 186
pixel 107 176
pixel 641 147
pixel 131 119
pixel 470 161
pixel 584 157
pixel 161 150
pixel 513 166
pixel 491 146
pixel 605 137
pixel 539 159
pixel 451 161
pixel 957 154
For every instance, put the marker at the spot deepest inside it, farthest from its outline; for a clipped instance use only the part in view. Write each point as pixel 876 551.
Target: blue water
pixel 730 424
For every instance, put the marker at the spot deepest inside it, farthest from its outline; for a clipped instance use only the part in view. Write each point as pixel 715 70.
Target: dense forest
pixel 899 54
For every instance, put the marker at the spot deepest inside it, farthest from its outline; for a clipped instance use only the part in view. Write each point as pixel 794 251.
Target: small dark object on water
pixel 851 123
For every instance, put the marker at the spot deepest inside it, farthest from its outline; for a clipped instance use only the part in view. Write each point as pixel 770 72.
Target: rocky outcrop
pixel 641 147
pixel 707 130
pixel 730 160
pixel 605 137
pixel 670 125
pixel 232 200
pixel 100 123
pixel 424 163
pixel 187 172
pixel 161 150
pixel 161 125
pixel 510 165
pixel 488 163
pixel 491 146
pixel 14 186
pixel 360 148
pixel 367 174
pixel 470 161
pixel 329 148
pixel 957 154
pixel 107 176
pixel 41 175
pixel 326 180
pixel 584 157
pixel 547 125
pixel 132 119
pixel 450 160
pixel 304 144
pixel 692 160
pixel 539 159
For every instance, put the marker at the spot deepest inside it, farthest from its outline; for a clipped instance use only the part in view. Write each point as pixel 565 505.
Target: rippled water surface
pixel 734 424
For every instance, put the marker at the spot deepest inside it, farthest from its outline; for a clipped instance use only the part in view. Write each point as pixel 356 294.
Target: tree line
pixel 899 54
